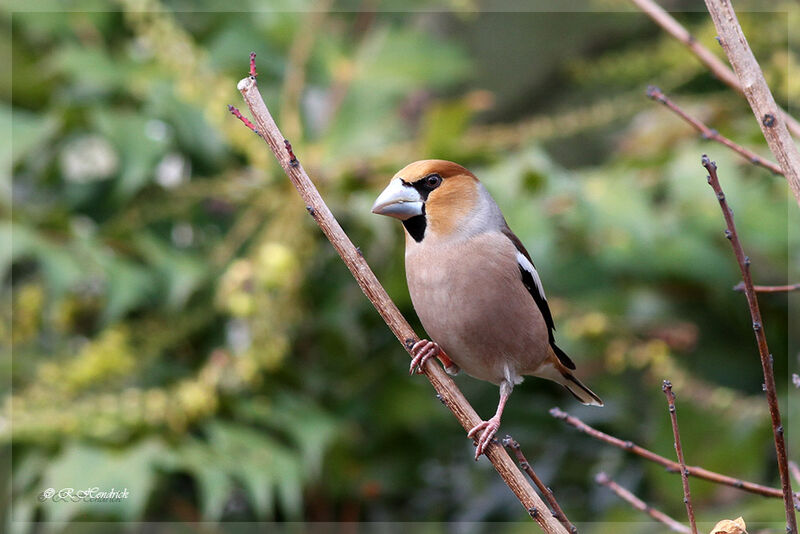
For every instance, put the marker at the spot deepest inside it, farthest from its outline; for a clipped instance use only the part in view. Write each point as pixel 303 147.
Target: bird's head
pixel 430 196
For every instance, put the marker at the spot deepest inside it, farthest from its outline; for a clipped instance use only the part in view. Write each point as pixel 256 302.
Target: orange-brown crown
pixel 447 205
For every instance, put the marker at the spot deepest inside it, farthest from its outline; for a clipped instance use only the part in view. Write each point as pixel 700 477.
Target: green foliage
pixel 180 327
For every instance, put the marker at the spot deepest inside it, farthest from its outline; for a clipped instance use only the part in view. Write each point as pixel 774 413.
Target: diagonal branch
pixel 238 114
pixel 755 89
pixel 671 466
pixel 768 289
pixel 763 349
pixel 446 389
pixel 673 417
pixel 711 61
pixel 627 496
pixel 525 465
pixel 709 133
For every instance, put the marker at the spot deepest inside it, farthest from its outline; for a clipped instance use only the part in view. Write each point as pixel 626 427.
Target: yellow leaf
pixel 726 526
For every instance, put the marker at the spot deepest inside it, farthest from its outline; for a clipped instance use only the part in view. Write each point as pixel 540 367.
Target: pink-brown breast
pixel 469 296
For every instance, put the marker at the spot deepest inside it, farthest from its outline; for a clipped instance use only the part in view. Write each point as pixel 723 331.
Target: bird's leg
pixel 450 366
pixel 423 350
pixel 491 426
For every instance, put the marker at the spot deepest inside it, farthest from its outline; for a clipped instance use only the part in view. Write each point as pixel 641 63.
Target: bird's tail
pixel 579 391
pixel 557 372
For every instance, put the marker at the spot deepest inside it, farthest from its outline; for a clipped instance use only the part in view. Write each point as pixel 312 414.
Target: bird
pixel 473 286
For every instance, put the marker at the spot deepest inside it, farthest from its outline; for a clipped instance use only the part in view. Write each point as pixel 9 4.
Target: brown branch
pixel 709 133
pixel 711 61
pixel 763 349
pixel 558 513
pixel 673 417
pixel 768 289
pixel 624 494
pixel 445 388
pixel 670 465
pixel 756 91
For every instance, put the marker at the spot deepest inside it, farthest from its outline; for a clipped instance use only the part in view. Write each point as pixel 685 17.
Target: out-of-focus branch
pixel 768 289
pixel 673 417
pixel 794 470
pixel 712 62
pixel 295 79
pixel 709 133
pixel 627 496
pixel 761 339
pixel 446 389
pixel 754 87
pixel 546 492
pixel 346 71
pixel 671 466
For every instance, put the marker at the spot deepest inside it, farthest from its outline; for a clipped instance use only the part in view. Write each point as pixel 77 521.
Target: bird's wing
pixel 532 282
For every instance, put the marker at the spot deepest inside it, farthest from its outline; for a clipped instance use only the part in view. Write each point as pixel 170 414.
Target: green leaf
pixel 83 467
pixel 139 151
pixel 180 272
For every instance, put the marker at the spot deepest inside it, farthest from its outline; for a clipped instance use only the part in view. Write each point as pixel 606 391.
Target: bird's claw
pixel 423 350
pixel 489 428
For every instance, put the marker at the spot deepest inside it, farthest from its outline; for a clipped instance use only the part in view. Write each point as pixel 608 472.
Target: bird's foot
pixel 489 428
pixel 423 350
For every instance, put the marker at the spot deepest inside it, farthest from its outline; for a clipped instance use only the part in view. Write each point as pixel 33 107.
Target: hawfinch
pixel 474 286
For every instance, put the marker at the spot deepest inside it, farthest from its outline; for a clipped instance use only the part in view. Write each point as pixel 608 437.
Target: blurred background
pixel 182 329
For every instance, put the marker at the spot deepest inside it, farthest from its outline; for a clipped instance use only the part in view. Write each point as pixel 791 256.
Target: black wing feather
pixel 541 302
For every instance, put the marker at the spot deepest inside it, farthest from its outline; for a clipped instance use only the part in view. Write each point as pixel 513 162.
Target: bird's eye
pixel 432 181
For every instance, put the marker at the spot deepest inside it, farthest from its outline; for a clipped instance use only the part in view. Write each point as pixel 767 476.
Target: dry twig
pixel 671 466
pixel 768 289
pixel 238 114
pixel 673 417
pixel 709 133
pixel 445 388
pixel 525 465
pixel 624 494
pixel 756 90
pixel 712 62
pixel 763 349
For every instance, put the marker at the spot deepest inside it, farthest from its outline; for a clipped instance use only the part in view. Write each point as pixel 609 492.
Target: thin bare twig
pixel 546 492
pixel 768 289
pixel 755 89
pixel 238 114
pixel 626 495
pixel 670 465
pixel 761 339
pixel 673 417
pixel 709 133
pixel 253 72
pixel 445 388
pixel 711 61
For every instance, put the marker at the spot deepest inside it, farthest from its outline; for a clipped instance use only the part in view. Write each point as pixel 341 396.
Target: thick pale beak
pixel 398 200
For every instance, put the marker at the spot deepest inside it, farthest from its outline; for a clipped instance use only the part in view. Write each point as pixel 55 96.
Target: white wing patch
pixel 528 266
